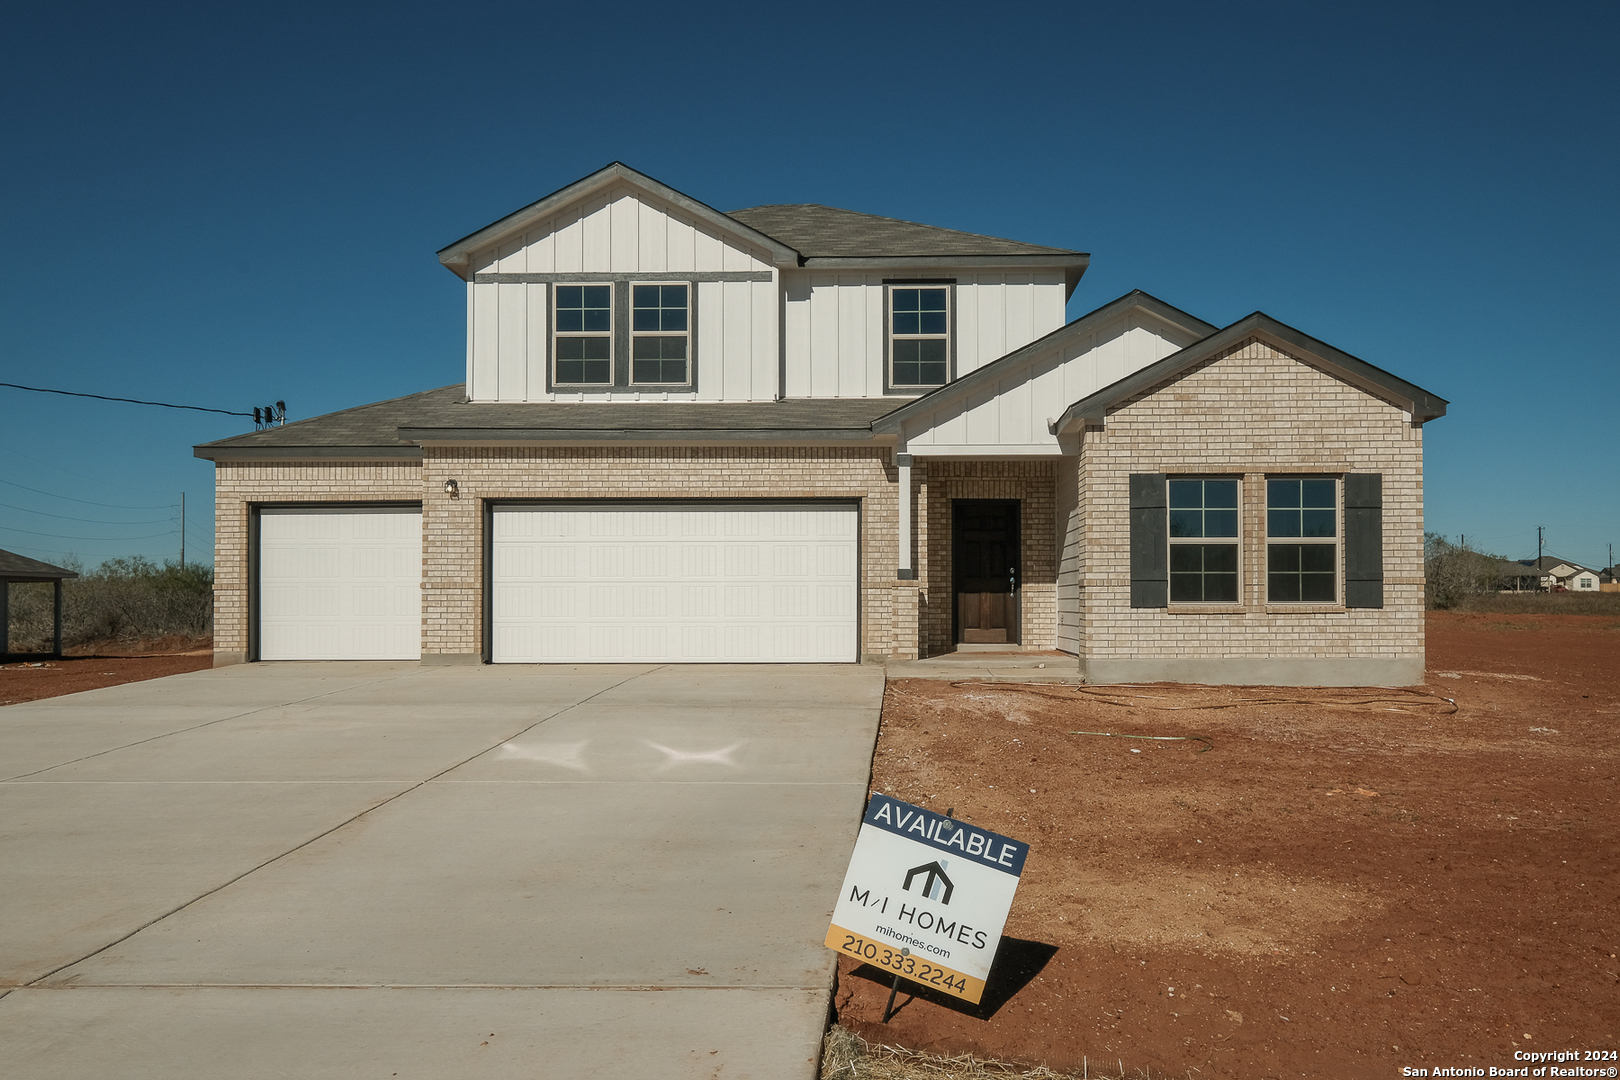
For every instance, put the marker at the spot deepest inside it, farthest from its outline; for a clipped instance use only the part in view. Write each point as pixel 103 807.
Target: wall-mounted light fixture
pixel 451 489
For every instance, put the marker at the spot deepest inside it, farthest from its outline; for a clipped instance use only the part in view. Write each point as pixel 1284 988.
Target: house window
pixel 659 330
pixel 919 338
pixel 1302 540
pixel 1203 541
pixel 583 344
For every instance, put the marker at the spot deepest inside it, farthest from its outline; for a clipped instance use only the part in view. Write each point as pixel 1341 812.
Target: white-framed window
pixel 1302 540
pixel 660 333
pixel 1205 541
pixel 582 338
pixel 919 335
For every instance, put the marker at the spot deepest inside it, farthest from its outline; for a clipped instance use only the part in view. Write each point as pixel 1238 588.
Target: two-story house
pixel 802 434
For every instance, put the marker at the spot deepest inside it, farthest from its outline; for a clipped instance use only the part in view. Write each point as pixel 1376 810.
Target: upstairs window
pixel 659 335
pixel 583 343
pixel 1203 541
pixel 920 336
pixel 1302 540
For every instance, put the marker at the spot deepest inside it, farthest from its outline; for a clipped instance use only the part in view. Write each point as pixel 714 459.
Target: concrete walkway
pixel 337 870
pixel 991 663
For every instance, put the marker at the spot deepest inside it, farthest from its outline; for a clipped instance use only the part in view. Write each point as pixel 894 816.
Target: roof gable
pixel 1423 405
pixel 1038 350
pixel 458 256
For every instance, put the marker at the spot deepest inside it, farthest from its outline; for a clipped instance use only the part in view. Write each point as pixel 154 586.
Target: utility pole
pixel 182 530
pixel 1538 557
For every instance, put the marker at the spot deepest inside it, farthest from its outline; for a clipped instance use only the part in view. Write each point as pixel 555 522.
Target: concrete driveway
pixel 338 870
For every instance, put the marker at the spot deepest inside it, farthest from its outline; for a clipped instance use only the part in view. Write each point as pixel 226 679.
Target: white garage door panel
pixel 772 583
pixel 340 584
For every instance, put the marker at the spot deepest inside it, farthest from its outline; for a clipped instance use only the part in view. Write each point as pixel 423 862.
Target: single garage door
pixel 340 583
pixel 675 583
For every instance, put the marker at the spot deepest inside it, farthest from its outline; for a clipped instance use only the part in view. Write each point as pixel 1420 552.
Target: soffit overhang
pixel 1073 266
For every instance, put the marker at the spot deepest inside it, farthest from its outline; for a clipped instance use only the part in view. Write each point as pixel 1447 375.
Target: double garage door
pixel 575 583
pixel 675 583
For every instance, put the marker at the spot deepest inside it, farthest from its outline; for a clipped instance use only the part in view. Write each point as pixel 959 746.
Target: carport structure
pixel 14 567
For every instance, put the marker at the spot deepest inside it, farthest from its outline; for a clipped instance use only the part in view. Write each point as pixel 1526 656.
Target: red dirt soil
pixel 1349 884
pixel 101 664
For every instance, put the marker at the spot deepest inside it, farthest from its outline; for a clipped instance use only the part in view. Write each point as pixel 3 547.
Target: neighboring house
pixel 801 434
pixel 1579 579
pixel 1556 572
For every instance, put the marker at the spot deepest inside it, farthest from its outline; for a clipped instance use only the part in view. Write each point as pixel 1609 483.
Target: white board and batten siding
pixel 675 583
pixel 626 232
pixel 834 333
pixel 1009 415
pixel 340 583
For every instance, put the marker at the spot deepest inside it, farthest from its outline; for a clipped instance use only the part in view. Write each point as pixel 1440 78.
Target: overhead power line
pixel 87 502
pixel 91 521
pixel 60 536
pixel 131 401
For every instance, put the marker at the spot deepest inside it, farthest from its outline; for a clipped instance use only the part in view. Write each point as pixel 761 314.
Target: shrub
pixel 130 599
pixel 1569 603
pixel 1454 571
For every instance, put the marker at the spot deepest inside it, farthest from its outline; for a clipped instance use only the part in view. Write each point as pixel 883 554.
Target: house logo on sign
pixel 935 886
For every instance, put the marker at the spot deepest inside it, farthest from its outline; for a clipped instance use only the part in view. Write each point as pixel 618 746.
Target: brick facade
pixel 1252 411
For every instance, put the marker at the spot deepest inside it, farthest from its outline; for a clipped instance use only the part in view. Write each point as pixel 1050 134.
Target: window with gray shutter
pixel 1364 540
pixel 1150 555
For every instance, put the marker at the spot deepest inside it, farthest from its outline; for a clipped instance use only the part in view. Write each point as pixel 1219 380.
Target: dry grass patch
pixel 847 1056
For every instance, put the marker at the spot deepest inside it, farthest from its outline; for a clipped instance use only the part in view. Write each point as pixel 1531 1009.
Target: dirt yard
pixel 101 664
pixel 1348 884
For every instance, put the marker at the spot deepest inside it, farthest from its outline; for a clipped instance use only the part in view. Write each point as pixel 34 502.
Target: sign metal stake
pixel 888 1010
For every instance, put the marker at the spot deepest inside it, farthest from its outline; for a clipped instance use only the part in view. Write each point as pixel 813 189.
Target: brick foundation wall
pixel 1253 411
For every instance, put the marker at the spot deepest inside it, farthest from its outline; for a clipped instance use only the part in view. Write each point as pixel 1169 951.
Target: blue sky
pixel 226 205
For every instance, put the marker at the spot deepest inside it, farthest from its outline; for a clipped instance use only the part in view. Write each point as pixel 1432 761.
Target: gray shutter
pixel 1364 540
pixel 1150 553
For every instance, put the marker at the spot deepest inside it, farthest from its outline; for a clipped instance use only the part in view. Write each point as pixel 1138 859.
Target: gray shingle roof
pixel 1547 562
pixel 827 232
pixel 393 428
pixel 15 567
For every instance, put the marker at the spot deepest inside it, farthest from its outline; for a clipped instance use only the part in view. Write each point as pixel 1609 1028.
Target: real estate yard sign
pixel 926 897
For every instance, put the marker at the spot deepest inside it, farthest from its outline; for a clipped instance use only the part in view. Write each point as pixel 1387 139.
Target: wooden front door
pixel 986 570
